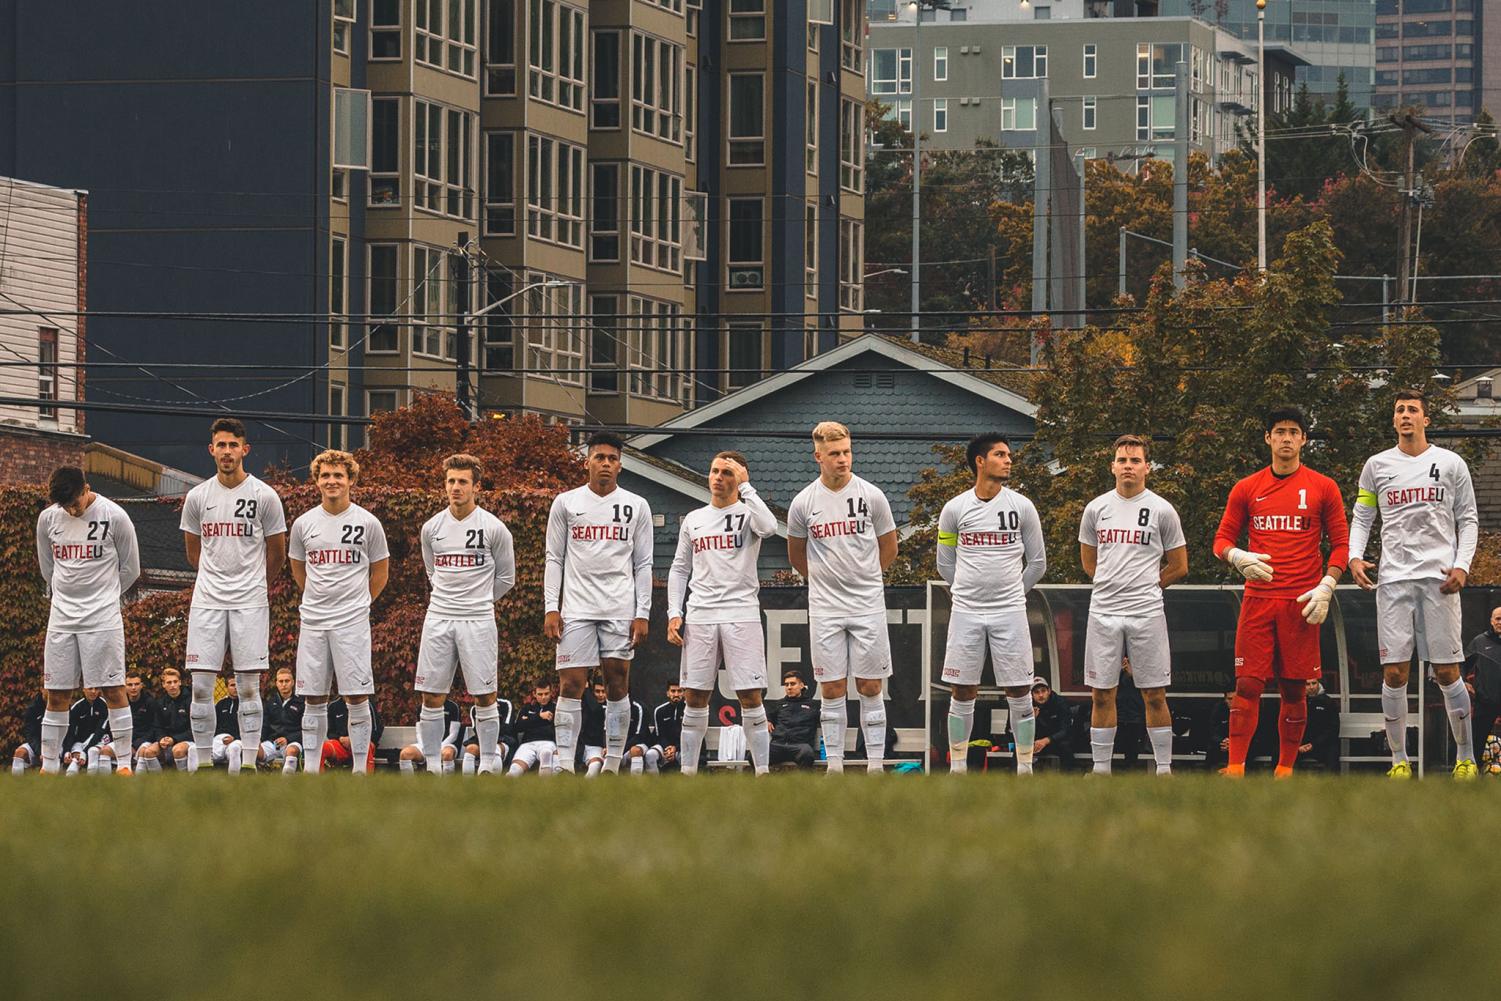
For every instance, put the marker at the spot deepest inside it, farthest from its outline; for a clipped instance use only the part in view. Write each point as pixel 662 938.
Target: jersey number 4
pixel 1433 472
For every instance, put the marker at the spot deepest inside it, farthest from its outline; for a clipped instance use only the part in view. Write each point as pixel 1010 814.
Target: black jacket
pixel 507 722
pixel 143 720
pixel 667 724
pixel 31 726
pixel 338 721
pixel 531 726
pixel 174 716
pixel 227 716
pixel 1483 663
pixel 283 717
pixel 1054 719
pixel 795 721
pixel 637 733
pixel 592 733
pixel 1130 708
pixel 86 724
pixel 1323 720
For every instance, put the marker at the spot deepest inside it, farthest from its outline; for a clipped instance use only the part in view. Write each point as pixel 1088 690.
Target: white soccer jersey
pixel 232 526
pixel 844 558
pixel 337 551
pixel 470 564
pixel 1130 536
pixel 88 562
pixel 990 551
pixel 599 556
pixel 1429 524
pixel 717 550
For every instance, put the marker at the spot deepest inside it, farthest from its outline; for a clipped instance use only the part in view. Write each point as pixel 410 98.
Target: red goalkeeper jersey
pixel 1286 517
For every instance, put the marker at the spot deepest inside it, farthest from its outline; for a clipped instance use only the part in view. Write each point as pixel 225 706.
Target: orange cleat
pixel 1234 771
pixel 1283 772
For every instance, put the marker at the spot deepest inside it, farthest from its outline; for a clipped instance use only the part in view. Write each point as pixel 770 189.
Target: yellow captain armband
pixel 1365 498
pixel 950 539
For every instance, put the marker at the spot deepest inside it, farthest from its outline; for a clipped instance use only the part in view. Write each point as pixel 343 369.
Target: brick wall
pixel 30 456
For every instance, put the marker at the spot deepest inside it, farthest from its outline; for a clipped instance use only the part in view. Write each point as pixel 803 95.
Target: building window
pixel 940 63
pixel 499 336
pixel 1157 65
pixel 891 71
pixel 445 35
pixel 1154 118
pixel 1024 62
pixel 343 24
pixel 500 49
pixel 746 242
pixel 604 212
pixel 351 140
pixel 811 122
pixel 1090 112
pixel 46 355
pixel 555 191
pixel 747 119
pixel 747 20
pixel 337 407
pixel 381 267
pixel 851 265
pixel 556 54
pixel 385 29
pixel 380 401
pixel 441 160
pixel 851 144
pixel 605 99
pixel 604 344
pixel 656 68
pixel 656 348
pixel 500 184
pixel 810 250
pixel 554 329
pixel 744 347
pixel 656 218
pixel 338 281
pixel 429 279
pixel 940 114
pixel 690 111
pixel 852 34
pixel 1091 61
pixel 385 151
pixel 1018 114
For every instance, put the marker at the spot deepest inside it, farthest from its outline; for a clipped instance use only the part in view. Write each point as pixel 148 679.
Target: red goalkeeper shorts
pixel 1273 641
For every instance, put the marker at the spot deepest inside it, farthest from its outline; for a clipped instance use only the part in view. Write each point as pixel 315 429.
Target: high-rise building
pixel 655 201
pixel 1430 55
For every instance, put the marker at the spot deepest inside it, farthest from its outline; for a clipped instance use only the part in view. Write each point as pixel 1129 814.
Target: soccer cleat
pixel 1234 771
pixel 1399 770
pixel 1465 770
pixel 1283 772
pixel 124 770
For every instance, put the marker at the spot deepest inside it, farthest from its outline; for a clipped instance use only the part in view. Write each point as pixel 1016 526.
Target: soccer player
pixel 337 750
pixel 599 548
pixel 794 730
pixel 841 538
pixel 174 720
pixel 281 737
pixel 87 722
pixel 591 752
pixel 717 552
pixel 341 564
pixel 1429 528
pixel 667 727
pixel 86 547
pixel 143 714
pixel 536 731
pixel 29 753
pixel 1284 510
pixel 1131 545
pixel 226 745
pixel 991 552
pixel 236 538
pixel 471 564
pixel 453 733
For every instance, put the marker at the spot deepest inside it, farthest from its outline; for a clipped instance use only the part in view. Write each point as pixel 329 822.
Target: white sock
pixel 617 722
pixel 757 739
pixel 961 725
pixel 1457 705
pixel 471 763
pixel 122 732
pixel 565 724
pixel 446 767
pixel 833 720
pixel 201 718
pixel 232 754
pixel 182 763
pixel 18 766
pixel 1102 747
pixel 1394 709
pixel 361 722
pixel 251 715
pixel 430 737
pixel 54 728
pixel 594 767
pixel 638 763
pixel 695 729
pixel 1023 729
pixel 289 765
pixel 314 733
pixel 1162 747
pixel 407 766
pixel 873 727
pixel 487 732
pixel 72 768
pixel 653 759
pixel 91 760
pixel 516 770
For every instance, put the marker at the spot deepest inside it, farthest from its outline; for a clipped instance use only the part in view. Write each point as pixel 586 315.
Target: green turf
pixel 167 886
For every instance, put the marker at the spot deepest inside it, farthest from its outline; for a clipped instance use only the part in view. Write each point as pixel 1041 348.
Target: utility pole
pixel 461 280
pixel 1410 124
pixel 1181 127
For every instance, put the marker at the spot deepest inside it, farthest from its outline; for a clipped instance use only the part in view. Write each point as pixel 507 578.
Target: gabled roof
pixel 680 479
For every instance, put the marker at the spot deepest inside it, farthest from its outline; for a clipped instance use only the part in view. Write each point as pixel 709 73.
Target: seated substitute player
pixel 718 547
pixel 143 719
pixel 87 719
pixel 537 747
pixel 411 756
pixel 991 552
pixel 227 728
pixel 29 753
pixel 86 548
pixel 503 750
pixel 1429 529
pixel 794 727
pixel 841 538
pixel 341 564
pixel 1054 725
pixel 1131 545
pixel 236 538
pixel 597 594
pixel 338 749
pixel 174 725
pixel 1284 509
pixel 471 564
pixel 667 729
pixel 281 738
pixel 591 749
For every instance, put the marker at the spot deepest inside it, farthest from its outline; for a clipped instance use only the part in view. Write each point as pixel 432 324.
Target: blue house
pixel 875 385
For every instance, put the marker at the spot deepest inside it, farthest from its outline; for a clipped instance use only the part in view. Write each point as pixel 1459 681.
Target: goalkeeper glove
pixel 1317 609
pixel 1252 566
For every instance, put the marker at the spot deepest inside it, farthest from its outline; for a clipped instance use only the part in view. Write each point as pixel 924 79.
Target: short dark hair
pixel 1412 394
pixel 542 682
pixel 230 424
pixel 1132 441
pixel 606 438
pixel 793 672
pixel 66 484
pixel 732 454
pixel 1281 414
pixel 980 445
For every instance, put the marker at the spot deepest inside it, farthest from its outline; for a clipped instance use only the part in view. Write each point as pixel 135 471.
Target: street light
pixel 465 317
pixel 885 271
pixel 1261 137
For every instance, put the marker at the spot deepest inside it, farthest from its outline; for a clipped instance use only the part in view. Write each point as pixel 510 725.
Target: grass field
pixel 799 886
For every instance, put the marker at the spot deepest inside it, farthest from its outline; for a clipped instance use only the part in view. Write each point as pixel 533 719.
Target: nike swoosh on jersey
pixel 1104 515
pixel 1260 499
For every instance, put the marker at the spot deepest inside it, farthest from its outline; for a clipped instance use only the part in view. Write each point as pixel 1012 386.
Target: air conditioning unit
pixel 964 50
pixel 963 102
pixel 746 278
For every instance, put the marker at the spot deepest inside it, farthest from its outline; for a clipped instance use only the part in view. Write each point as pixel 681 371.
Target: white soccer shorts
pixel 243 632
pixel 1143 638
pixel 586 641
pixel 84 660
pixel 324 655
pixel 1008 638
pixel 447 644
pixel 740 646
pixel 1413 613
pixel 847 644
pixel 220 749
pixel 535 753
